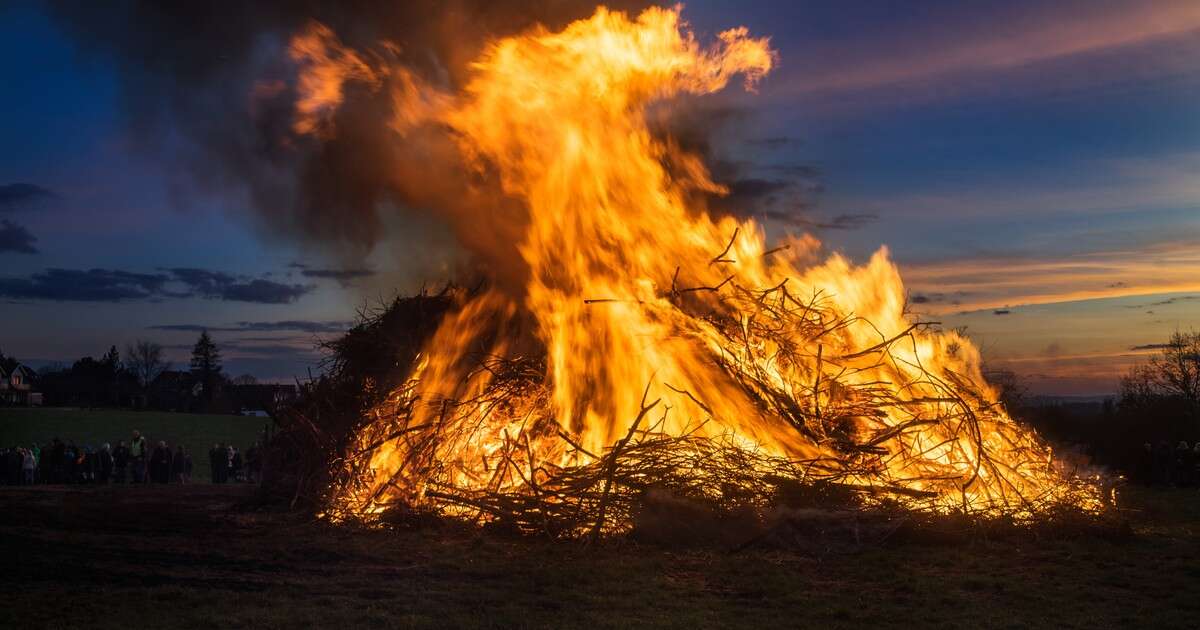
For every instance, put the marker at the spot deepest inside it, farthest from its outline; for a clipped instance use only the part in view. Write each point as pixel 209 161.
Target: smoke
pixel 211 90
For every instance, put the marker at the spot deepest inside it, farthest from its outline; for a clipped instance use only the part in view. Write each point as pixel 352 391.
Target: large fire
pixel 646 320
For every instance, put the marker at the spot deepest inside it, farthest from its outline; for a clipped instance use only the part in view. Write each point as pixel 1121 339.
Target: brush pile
pixel 367 402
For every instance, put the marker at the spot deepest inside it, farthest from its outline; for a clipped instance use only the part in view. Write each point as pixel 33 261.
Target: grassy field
pixel 184 557
pixel 196 432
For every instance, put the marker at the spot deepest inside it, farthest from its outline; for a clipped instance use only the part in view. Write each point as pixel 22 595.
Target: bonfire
pixel 653 345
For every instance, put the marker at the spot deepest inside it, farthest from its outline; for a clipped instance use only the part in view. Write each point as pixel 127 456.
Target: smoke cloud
pixel 212 88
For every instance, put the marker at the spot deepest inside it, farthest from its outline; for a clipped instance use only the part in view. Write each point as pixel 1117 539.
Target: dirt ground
pixel 187 557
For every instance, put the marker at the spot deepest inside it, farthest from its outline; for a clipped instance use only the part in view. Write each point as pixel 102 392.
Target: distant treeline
pixel 1158 404
pixel 143 379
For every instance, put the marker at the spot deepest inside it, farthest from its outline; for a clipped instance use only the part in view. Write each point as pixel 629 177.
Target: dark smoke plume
pixel 211 84
pixel 210 87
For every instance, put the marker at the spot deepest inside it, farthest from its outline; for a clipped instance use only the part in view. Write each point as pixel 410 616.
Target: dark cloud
pixel 202 281
pixel 839 222
pixel 14 195
pixel 1151 346
pixel 114 285
pixel 1001 311
pixel 263 292
pixel 93 285
pixel 217 285
pixel 920 299
pixel 279 326
pixel 179 62
pixel 273 350
pixel 1167 302
pixel 344 277
pixel 1175 300
pixel 15 238
pixel 845 222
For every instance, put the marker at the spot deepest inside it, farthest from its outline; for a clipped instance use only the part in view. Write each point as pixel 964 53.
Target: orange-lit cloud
pixel 999 282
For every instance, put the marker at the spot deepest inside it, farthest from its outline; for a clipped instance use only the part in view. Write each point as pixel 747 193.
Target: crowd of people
pixel 62 462
pixel 1162 464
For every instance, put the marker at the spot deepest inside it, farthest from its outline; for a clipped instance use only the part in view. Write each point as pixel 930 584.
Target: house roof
pixel 21 369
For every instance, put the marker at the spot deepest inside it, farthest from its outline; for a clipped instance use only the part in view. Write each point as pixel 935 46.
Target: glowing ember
pixel 652 335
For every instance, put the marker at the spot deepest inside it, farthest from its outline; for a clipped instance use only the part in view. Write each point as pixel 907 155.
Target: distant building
pixel 259 399
pixel 16 387
pixel 173 390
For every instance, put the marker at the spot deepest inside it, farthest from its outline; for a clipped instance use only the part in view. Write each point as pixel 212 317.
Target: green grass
pixel 196 432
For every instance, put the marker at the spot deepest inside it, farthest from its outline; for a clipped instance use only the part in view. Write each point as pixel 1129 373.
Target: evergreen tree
pixel 110 367
pixel 206 366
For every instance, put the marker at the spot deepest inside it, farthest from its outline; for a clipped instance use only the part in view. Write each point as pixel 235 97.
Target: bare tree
pixel 1172 373
pixel 144 359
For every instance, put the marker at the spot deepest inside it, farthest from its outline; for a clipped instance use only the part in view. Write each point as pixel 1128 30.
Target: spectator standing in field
pixel 178 464
pixel 1183 464
pixel 253 463
pixel 57 461
pixel 70 463
pixel 1196 462
pixel 37 459
pixel 28 465
pixel 161 465
pixel 43 464
pixel 137 456
pixel 214 463
pixel 104 464
pixel 12 458
pixel 1162 463
pixel 236 464
pixel 87 464
pixel 120 461
pixel 229 463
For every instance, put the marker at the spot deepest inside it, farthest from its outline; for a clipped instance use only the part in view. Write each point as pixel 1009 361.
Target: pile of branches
pixel 324 452
pixel 303 460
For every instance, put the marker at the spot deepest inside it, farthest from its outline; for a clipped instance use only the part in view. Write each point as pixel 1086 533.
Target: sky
pixel 1034 169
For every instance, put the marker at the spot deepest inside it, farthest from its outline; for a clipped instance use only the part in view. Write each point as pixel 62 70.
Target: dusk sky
pixel 1033 167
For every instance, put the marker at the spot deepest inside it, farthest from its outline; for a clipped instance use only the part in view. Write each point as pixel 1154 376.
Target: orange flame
pixel 634 296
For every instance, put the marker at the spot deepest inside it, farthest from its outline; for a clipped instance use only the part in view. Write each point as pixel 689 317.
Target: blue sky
pixel 1038 160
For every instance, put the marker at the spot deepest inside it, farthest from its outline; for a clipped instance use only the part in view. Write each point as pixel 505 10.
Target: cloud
pixel 14 195
pixel 1174 300
pixel 965 50
pixel 223 286
pixel 115 285
pixel 263 292
pixel 15 238
pixel 93 285
pixel 1001 311
pixel 278 326
pixel 1151 346
pixel 837 222
pixel 840 222
pixel 344 277
pixel 994 281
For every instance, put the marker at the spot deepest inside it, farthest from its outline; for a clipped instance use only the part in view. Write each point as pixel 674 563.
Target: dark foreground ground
pixel 181 557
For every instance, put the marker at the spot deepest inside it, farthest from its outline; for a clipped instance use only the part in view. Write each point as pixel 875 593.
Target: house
pixel 16 387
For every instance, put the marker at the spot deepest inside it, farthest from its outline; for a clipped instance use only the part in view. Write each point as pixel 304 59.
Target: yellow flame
pixel 630 286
